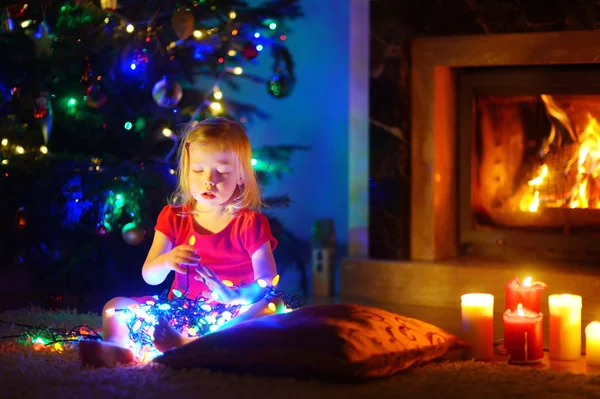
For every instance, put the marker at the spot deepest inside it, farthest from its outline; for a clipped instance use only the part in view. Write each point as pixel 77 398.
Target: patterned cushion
pixel 328 341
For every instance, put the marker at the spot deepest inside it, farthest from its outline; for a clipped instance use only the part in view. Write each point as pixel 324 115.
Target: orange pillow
pixel 328 341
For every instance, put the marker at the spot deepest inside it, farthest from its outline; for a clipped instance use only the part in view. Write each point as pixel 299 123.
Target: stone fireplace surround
pixel 435 275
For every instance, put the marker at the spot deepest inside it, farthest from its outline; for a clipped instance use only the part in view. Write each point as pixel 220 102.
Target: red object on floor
pixel 523 338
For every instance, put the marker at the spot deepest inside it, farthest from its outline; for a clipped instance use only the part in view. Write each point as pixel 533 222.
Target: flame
pixel 531 202
pixel 585 192
pixel 527 282
pixel 588 165
pixel 520 310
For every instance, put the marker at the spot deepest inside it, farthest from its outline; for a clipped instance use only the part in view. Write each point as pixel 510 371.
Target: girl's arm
pixel 162 258
pixel 154 271
pixel 265 268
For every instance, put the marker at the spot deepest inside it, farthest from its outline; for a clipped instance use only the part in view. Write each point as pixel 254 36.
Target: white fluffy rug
pixel 29 373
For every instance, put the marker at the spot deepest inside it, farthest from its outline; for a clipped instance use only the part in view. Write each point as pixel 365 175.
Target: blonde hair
pixel 224 134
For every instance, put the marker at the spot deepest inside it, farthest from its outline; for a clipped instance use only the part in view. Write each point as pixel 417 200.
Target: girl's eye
pixel 197 171
pixel 223 172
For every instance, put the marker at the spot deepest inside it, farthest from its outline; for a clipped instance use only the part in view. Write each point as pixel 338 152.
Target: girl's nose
pixel 209 179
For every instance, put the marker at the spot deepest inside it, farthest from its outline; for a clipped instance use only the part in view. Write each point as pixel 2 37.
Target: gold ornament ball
pixel 109 4
pixel 133 234
pixel 182 22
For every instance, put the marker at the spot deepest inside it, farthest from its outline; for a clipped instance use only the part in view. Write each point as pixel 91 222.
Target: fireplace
pixel 460 86
pixel 503 74
pixel 529 161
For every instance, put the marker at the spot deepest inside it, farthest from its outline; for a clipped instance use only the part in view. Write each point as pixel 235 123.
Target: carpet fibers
pixel 29 373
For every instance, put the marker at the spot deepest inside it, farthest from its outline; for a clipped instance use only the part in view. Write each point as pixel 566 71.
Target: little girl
pixel 212 218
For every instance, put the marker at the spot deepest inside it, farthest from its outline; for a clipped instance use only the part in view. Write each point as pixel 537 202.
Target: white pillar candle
pixel 478 325
pixel 565 327
pixel 592 343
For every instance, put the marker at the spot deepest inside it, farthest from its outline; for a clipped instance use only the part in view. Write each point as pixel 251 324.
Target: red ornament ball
pixel 95 96
pixel 133 234
pixel 249 51
pixel 40 109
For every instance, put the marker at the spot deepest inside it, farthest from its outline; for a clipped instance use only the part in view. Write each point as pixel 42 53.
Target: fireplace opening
pixel 529 161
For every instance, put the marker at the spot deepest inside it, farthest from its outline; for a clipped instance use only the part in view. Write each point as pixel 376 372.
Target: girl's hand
pixel 220 292
pixel 180 257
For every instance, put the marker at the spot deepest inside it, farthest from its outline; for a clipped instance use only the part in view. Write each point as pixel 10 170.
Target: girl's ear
pixel 240 181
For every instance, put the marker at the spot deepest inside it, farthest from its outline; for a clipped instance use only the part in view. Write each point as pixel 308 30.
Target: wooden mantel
pixel 435 61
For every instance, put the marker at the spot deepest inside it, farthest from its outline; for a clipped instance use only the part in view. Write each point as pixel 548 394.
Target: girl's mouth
pixel 208 195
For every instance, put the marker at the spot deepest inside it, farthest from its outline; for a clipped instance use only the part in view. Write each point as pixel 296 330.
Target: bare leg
pixel 115 333
pixel 258 309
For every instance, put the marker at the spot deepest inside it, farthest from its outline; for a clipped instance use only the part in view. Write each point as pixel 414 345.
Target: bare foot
pixel 103 354
pixel 166 337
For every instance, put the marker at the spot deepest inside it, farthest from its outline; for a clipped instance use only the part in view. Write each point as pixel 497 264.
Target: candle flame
pixel 520 311
pixel 527 282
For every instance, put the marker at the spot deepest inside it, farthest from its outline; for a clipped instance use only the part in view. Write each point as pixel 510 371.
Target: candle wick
pixel 525 345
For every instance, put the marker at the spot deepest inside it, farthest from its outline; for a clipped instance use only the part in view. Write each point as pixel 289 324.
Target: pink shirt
pixel 227 253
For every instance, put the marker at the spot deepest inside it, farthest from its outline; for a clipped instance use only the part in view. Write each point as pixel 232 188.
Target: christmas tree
pixel 92 98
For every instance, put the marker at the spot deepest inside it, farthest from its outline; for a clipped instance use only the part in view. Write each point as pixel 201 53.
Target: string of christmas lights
pixel 191 317
pixel 41 336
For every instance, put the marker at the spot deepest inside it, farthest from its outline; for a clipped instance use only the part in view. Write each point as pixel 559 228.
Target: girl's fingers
pixel 189 254
pixel 207 271
pixel 201 277
pixel 179 269
pixel 202 270
pixel 184 262
pixel 201 273
pixel 193 259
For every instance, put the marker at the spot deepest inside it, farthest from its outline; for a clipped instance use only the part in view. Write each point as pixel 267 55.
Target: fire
pixel 585 163
pixel 531 202
pixel 520 310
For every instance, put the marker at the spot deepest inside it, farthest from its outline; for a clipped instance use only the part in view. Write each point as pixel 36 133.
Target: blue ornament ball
pixel 167 93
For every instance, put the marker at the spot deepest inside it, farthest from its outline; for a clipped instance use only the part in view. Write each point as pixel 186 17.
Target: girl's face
pixel 213 175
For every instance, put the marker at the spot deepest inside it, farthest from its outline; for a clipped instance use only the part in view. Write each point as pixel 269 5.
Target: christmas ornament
pixel 20 220
pixel 132 66
pixel 182 22
pixel 101 230
pixel 249 51
pixel 43 41
pixel 15 92
pixel 40 110
pixel 43 112
pixel 279 85
pixel 132 233
pixel 95 95
pixel 8 24
pixel 109 5
pixel 167 93
pixel 87 71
